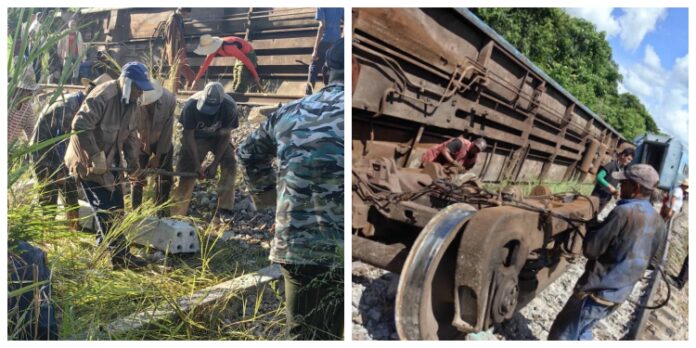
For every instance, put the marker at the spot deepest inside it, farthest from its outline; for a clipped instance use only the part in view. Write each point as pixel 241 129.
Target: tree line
pixel 577 56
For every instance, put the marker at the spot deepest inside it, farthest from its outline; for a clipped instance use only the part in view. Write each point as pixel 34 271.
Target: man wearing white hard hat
pixel 155 128
pixel 231 46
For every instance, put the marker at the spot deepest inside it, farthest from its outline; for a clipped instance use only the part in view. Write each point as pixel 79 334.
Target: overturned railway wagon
pixel 283 39
pixel 468 258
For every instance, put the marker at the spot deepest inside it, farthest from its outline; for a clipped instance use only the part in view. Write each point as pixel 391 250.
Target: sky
pixel 651 46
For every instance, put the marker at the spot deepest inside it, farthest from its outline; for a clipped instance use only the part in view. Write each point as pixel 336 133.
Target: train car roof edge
pixel 507 45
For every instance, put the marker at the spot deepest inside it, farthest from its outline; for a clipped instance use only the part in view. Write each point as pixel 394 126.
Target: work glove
pixel 98 164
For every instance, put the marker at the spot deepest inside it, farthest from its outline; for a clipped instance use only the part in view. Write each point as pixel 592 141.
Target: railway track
pixel 250 99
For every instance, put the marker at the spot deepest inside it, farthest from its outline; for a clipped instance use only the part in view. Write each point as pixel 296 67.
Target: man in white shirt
pixel 675 203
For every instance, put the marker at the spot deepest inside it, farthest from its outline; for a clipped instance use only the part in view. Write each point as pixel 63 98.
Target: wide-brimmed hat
pixel 207 45
pixel 642 174
pixel 685 183
pixel 28 80
pixel 152 96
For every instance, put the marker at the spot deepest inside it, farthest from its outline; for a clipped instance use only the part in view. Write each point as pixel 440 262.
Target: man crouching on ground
pixel 618 251
pixel 307 138
pixel 208 117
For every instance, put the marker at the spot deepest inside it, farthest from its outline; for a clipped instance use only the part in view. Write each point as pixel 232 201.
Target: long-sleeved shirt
pixel 158 127
pixel 105 124
pixel 229 49
pixel 53 122
pixel 306 136
pixel 620 248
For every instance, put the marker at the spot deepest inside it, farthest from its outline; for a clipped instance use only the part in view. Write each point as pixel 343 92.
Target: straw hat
pixel 28 80
pixel 152 96
pixel 685 183
pixel 208 45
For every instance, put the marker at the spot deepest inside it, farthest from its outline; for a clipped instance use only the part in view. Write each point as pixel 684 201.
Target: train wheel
pixel 425 296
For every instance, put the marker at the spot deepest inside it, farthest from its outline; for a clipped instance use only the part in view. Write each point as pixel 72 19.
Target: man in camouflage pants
pixel 307 137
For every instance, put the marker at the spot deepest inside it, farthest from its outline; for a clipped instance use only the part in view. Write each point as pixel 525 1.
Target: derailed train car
pixel 468 258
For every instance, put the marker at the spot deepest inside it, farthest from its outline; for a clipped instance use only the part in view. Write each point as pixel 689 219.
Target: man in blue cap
pixel 106 129
pixel 618 252
pixel 208 117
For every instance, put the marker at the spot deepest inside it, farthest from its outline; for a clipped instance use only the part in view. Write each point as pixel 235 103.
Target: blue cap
pixel 137 72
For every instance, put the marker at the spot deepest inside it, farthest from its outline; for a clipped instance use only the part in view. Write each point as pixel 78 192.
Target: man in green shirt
pixel 606 186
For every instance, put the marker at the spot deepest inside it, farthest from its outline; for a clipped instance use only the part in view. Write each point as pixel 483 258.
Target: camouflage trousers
pixel 241 77
pixel 314 302
pixel 225 187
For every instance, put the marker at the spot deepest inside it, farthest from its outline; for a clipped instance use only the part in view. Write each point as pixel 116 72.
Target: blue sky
pixel 650 45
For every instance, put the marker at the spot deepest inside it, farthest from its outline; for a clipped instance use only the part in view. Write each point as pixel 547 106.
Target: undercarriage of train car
pixel 468 258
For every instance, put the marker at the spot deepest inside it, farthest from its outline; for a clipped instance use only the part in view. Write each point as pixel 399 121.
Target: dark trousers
pixel 316 65
pixel 30 314
pixel 683 276
pixel 314 302
pixel 577 318
pixel 109 206
pixel 604 198
pixel 49 193
pixel 163 184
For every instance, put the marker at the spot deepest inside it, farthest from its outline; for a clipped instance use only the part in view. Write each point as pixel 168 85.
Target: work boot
pixel 309 90
pixel 225 216
pixel 127 260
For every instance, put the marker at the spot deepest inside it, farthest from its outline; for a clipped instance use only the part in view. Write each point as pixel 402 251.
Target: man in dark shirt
pixel 208 118
pixel 618 251
pixel 329 31
pixel 606 186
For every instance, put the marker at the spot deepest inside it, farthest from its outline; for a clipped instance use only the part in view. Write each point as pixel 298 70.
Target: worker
pixel 306 137
pixel 230 46
pixel 71 50
pixel 207 117
pixel 606 187
pixel 674 201
pixel 21 114
pixel 683 277
pixel 457 152
pixel 155 124
pixel 56 121
pixel 329 31
pixel 175 47
pixel 618 251
pixel 106 123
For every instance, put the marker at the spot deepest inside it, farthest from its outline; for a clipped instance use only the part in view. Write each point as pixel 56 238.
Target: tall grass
pixel 87 293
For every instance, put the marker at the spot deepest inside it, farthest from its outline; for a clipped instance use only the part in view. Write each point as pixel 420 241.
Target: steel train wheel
pixel 425 296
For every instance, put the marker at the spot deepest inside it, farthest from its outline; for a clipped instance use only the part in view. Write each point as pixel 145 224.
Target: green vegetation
pixel 577 56
pixel 86 292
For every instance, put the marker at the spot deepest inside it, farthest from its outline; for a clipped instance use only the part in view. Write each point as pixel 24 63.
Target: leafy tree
pixel 577 56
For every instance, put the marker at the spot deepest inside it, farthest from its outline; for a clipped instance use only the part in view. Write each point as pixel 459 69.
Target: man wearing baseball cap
pixel 618 251
pixel 458 152
pixel 208 117
pixel 305 137
pixel 106 130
